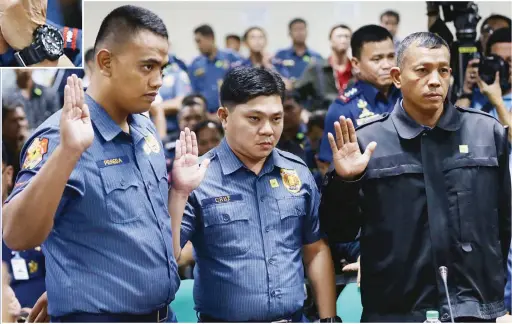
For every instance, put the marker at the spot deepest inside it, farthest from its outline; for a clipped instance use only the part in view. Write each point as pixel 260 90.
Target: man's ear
pixel 223 114
pixel 104 61
pixel 396 76
pixel 355 65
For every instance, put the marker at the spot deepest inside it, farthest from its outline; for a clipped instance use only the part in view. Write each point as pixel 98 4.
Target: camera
pixel 465 18
pixel 488 67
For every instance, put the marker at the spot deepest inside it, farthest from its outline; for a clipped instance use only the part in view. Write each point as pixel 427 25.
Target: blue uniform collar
pixel 106 126
pixel 408 128
pixel 307 52
pixel 230 163
pixel 370 92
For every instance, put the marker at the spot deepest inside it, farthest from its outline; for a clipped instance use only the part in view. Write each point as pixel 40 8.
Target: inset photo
pixel 41 33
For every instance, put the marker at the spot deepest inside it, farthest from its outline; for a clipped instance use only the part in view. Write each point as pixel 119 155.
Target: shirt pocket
pixel 226 229
pixel 122 197
pixel 472 194
pixel 160 172
pixel 292 212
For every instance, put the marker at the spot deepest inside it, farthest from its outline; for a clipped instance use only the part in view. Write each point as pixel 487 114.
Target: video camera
pixel 465 19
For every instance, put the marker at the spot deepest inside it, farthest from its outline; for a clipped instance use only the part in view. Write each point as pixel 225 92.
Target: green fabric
pixel 348 305
pixel 183 304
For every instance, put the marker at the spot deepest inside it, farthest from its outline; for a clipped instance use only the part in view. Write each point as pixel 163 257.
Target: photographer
pixel 495 98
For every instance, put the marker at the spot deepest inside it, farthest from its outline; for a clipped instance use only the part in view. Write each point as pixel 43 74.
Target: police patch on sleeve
pixel 35 153
pixel 291 180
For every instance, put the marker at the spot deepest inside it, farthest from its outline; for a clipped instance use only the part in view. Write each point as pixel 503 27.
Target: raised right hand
pixel 348 161
pixel 76 133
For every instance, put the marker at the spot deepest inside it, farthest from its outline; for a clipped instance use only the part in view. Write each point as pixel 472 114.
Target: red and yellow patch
pixel 35 153
pixel 291 180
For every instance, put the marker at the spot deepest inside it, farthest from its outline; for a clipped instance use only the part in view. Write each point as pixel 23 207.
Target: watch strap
pixel 28 56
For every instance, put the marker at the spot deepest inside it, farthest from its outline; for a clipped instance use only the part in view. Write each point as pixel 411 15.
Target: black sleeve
pixel 340 213
pixel 504 207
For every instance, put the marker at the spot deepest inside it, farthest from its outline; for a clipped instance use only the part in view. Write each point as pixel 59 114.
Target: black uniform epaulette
pixel 476 111
pixel 290 156
pixel 373 120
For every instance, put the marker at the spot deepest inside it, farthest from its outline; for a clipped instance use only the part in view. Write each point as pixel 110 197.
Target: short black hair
pixel 391 13
pixel 89 55
pixel 208 124
pixel 205 30
pixel 338 26
pixel 317 119
pixel 233 36
pixel 250 29
pixel 368 34
pixel 420 39
pixel 495 17
pixel 501 35
pixel 242 84
pixel 292 95
pixel 190 99
pixel 296 21
pixel 126 21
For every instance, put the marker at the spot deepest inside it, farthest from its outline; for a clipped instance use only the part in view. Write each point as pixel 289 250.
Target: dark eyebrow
pixel 155 62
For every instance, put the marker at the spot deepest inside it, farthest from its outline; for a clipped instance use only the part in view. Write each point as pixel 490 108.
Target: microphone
pixel 443 271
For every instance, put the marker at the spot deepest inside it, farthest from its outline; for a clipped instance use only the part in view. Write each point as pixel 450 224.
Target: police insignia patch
pixel 291 180
pixel 35 153
pixel 151 144
pixel 33 266
pixel 199 72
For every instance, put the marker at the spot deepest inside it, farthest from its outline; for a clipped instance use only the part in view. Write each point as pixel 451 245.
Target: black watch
pixel 335 319
pixel 47 44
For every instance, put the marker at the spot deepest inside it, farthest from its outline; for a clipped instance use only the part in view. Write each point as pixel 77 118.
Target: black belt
pixel 293 318
pixel 158 316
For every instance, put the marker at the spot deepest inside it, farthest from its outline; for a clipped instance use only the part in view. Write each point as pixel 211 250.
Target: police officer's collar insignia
pixel 199 72
pixel 219 63
pixel 306 58
pixel 38 92
pixel 35 153
pixel 33 266
pixel 291 180
pixel 362 104
pixel 151 144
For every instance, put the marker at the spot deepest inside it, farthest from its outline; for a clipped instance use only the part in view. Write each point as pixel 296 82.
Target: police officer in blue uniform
pixel 208 69
pixel 93 186
pixel 252 215
pixel 374 93
pixel 176 85
pixel 255 39
pixel 297 57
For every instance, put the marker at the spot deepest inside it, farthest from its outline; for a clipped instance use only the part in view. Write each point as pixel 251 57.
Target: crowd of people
pixel 92 204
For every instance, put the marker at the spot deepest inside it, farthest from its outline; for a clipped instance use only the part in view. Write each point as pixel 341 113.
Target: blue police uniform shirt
pixel 27 291
pixel 277 66
pixel 72 46
pixel 361 103
pixel 175 83
pixel 247 231
pixel 295 64
pixel 206 75
pixel 110 249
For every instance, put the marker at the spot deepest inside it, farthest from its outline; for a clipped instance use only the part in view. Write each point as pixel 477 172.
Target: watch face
pixel 52 41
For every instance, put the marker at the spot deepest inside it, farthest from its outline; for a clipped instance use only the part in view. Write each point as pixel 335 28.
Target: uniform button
pixel 273 293
pixel 445 316
pixel 267 229
pixel 271 261
pixel 262 199
pixel 225 217
pixel 122 182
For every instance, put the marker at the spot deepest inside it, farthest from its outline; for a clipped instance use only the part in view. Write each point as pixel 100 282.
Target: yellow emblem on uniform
pixel 274 183
pixel 152 144
pixel 33 267
pixel 463 149
pixel 35 153
pixel 362 104
pixel 199 72
pixel 291 180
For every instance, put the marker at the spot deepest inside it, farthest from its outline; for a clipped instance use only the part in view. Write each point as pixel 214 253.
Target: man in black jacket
pixel 435 192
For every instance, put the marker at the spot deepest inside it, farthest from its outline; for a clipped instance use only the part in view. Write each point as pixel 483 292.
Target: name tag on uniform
pixel 221 200
pixel 19 268
pixel 111 162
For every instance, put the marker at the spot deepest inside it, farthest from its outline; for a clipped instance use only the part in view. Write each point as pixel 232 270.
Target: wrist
pixel 68 154
pixel 179 194
pixel 334 319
